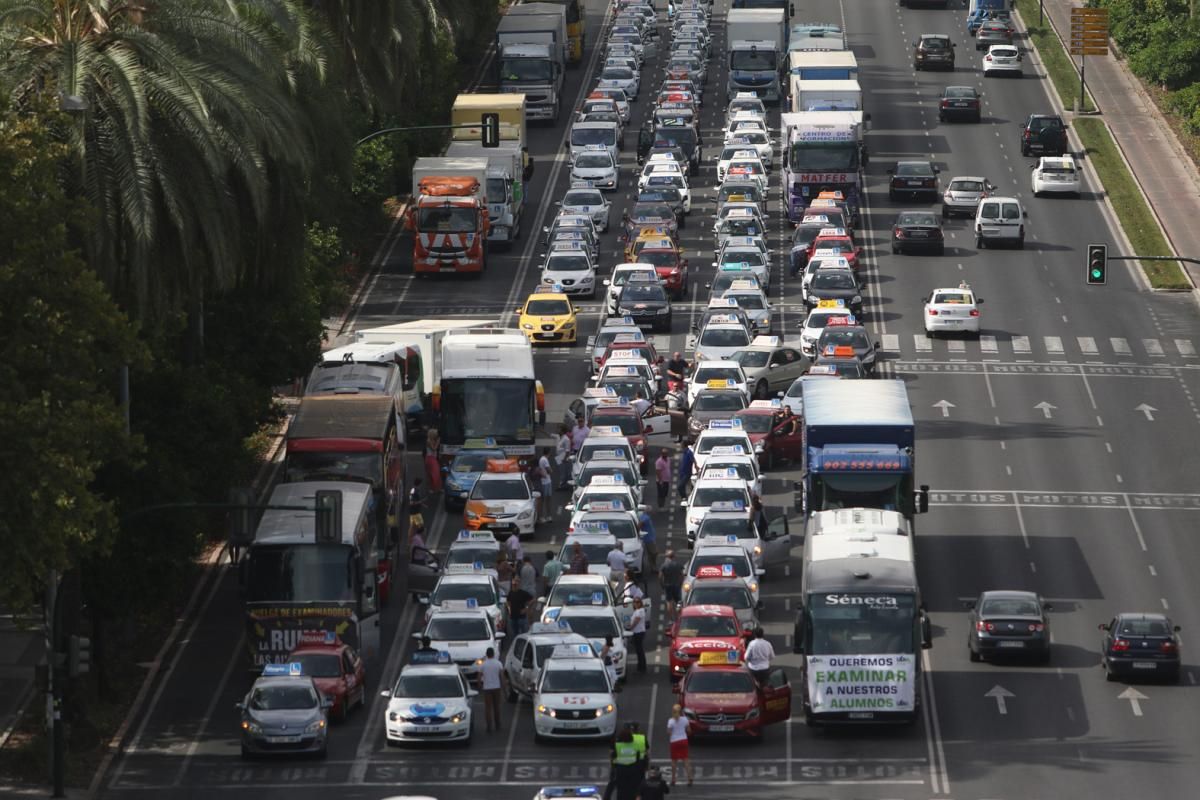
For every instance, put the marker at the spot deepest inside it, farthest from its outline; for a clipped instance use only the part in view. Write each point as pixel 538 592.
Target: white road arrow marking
pixel 1134 697
pixel 1148 410
pixel 945 406
pixel 1001 694
pixel 1046 408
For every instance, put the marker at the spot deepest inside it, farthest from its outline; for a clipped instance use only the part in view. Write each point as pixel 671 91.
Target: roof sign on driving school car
pixel 430 657
pixel 728 450
pixel 727 570
pixel 725 424
pixel 292 669
pixel 727 505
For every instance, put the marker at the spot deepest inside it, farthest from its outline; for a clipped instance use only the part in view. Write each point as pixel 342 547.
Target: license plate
pixel 448 269
pixel 574 724
pixel 862 715
pixel 1144 665
pixel 960 104
pixel 918 234
pixel 425 729
pixel 720 728
pixel 283 739
pixel 914 183
pixel 1012 644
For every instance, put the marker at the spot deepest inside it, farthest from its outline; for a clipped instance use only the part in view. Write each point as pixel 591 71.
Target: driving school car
pixel 574 697
pixel 720 697
pixel 703 629
pixel 430 702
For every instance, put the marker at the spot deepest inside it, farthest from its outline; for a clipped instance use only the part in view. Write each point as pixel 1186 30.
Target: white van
pixel 1000 219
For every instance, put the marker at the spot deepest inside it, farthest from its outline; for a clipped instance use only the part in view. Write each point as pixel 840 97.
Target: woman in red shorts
pixel 677 730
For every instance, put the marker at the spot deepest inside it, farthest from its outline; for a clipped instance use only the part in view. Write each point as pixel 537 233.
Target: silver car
pixel 963 194
pixel 585 199
pixel 284 713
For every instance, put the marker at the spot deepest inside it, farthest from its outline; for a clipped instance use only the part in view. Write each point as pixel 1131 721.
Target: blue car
pixel 981 14
pixel 459 478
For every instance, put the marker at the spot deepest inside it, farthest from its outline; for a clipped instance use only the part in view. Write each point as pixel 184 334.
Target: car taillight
pixel 945 104
pixel 1120 646
pixel 1168 647
pixel 1028 134
pixel 984 626
pixel 974 312
pixel 933 313
pixel 987 58
pixel 1034 627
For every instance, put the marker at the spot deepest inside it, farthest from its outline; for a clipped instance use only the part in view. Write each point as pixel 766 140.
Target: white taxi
pixel 610 329
pixel 502 502
pixel 1054 175
pixel 719 433
pixel 723 336
pixel 473 552
pixel 729 460
pixel 602 495
pixel 465 632
pixel 818 319
pixel 731 523
pixel 754 138
pixel 605 444
pixel 730 559
pixel 529 652
pixel 729 155
pixel 714 486
pixel 598 625
pixel 636 358
pixel 952 311
pixel 476 588
pixel 604 468
pixel 746 253
pixel 596 545
pixel 748 168
pixel 621 523
pixel 430 702
pixel 574 698
pixel 753 301
pixel 568 269
pixel 583 198
pixel 725 373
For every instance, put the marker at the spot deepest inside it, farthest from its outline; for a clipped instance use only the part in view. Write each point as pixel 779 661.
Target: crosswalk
pixel 1055 348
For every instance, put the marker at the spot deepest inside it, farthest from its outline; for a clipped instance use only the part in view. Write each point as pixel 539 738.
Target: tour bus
pixel 292 583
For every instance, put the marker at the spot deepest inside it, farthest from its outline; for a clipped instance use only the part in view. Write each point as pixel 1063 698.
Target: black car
pixel 1136 644
pixel 960 102
pixel 835 284
pixel 1043 135
pixel 917 230
pixel 914 178
pixel 802 237
pixel 683 136
pixel 854 337
pixel 933 51
pixel 647 303
pixel 665 195
pixel 843 366
pixel 1009 623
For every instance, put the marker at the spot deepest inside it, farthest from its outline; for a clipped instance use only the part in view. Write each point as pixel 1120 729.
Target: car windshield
pixel 751 358
pixel 739 564
pixel 318 665
pixel 740 227
pixel 621 277
pixel 724 337
pixel 1006 52
pixel 753 59
pixel 1010 607
pixel 817 321
pixel 627 423
pixel 665 180
pixel 509 489
pixel 959 92
pixel 743 167
pixel 933 44
pixel 658 258
pixel 547 308
pixel 568 264
pixel 720 681
pixel 845 338
pixel 583 197
pixel 643 293
pixel 577 596
pixel 283 697
pixel 698 625
pixel 616 73
pixel 423 686
pixel 733 596
pixel 966 186
pixel 597 553
pixel 913 169
pixel 756 423
pixel 593 161
pixel 457 629
pixel 917 219
pixel 593 626
pixel 746 190
pixel 484 556
pixel 652 212
pixel 705 496
pixel 751 258
pixel 719 401
pixel 625 387
pixel 626 473
pixel 556 681
pixel 751 302
pixel 481 592
pixel 833 280
pixel 683 136
pixel 740 527
pixel 705 374
pixel 589 450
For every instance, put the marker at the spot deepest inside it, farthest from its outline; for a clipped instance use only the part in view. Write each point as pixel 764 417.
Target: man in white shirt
pixel 641 405
pixel 579 433
pixel 616 559
pixel 637 626
pixel 492 674
pixel 758 655
pixel 562 449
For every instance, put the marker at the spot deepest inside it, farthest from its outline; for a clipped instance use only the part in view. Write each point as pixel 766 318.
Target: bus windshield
pixel 860 490
pixel 500 408
pixel 300 573
pixel 824 157
pixel 861 624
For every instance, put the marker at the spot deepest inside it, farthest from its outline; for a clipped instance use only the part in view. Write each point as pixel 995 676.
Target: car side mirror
pixel 240 706
pixel 969 605
pixel 472 693
pixel 1024 213
pixel 1177 629
pixel 386 693
pixel 978 301
pixel 1047 606
pixel 517 312
pixel 326 701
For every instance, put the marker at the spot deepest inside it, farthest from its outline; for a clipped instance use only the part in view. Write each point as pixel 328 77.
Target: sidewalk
pixel 20 651
pixel 1159 163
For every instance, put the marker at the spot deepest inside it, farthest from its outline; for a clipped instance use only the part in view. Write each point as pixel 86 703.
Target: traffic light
pixel 329 516
pixel 490 133
pixel 1097 264
pixel 79 655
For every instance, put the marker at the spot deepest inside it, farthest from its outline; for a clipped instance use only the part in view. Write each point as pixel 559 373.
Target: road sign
pixel 1089 25
pixel 1089 51
pixel 1093 13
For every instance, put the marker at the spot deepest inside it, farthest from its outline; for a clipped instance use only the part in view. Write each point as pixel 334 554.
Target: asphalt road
pixel 1062 464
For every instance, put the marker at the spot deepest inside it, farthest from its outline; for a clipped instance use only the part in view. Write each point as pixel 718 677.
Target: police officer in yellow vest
pixel 626 776
pixel 639 743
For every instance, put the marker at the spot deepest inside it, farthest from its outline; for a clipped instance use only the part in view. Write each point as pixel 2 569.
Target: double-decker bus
pixel 861 629
pixel 575 25
pixel 292 583
pixel 487 390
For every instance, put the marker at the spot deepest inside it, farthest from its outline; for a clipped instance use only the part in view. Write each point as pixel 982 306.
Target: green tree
pixel 64 342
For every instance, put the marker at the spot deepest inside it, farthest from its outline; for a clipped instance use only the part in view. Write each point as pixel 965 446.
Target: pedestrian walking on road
pixel 518 608
pixel 433 452
pixel 528 576
pixel 759 654
pixel 662 476
pixel 546 484
pixel 492 683
pixel 678 729
pixel 625 778
pixel 579 433
pixel 687 461
pixel 637 625
pixel 562 462
pixel 649 543
pixel 671 577
pixel 550 571
pixel 416 505
pixel 609 662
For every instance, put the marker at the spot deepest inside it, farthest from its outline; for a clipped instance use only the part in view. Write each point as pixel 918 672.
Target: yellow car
pixel 548 317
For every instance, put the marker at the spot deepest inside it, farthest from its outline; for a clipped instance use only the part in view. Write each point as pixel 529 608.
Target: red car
pixel 720 697
pixel 838 239
pixel 704 629
pixel 781 440
pixel 625 341
pixel 335 668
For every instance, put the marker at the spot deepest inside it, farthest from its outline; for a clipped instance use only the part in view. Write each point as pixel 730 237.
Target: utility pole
pixel 54 680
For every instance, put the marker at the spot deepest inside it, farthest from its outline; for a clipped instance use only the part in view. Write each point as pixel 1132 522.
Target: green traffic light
pixel 1095 273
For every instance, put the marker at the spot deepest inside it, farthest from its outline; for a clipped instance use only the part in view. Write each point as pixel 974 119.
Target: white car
pixel 583 198
pixel 620 77
pixel 623 50
pixel 624 110
pixel 751 300
pixel 569 267
pixel 601 495
pixel 574 697
pixel 719 433
pixel 731 523
pixel 610 329
pixel 745 102
pixel 530 651
pixel 1002 59
pixel 597 167
pixel 660 166
pixel 669 181
pixel 607 445
pixel 815 323
pixel 597 625
pixel 731 559
pixel 963 194
pixel 502 502
pixel 723 336
pixel 465 633
pixel 745 465
pixel 589 594
pixel 597 545
pixel 745 120
pixel 1054 175
pixel 727 373
pixel 745 168
pixel 473 552
pixel 745 261
pixel 477 589
pixel 732 151
pixel 430 702
pixel 621 524
pixel 620 274
pixel 714 486
pixel 952 310
pixel 755 138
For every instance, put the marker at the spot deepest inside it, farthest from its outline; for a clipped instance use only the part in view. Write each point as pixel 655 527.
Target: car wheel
pixel 322 753
pixel 1109 675
pixel 941 251
pixel 343 711
pixel 978 117
pixel 974 656
pixel 1021 243
pixel 891 195
pixel 762 391
pixel 929 334
pixel 538 738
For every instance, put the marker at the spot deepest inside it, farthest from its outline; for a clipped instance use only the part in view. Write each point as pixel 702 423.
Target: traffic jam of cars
pixel 734 408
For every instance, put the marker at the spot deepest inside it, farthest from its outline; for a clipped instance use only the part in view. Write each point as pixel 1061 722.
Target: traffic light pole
pixel 54 686
pixel 1155 258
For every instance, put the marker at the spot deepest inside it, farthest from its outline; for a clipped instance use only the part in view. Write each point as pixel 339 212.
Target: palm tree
pixel 191 130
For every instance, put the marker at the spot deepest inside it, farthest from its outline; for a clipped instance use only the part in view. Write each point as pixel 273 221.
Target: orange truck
pixel 449 215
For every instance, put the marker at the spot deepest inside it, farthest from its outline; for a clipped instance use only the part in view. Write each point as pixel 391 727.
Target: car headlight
pixel 251 727
pixel 587 279
pixel 753 586
pixel 315 726
pixel 757 550
pixel 608 709
pixel 694 520
pixel 525 514
pixel 664 311
pixel 622 311
pixel 687 712
pixel 702 356
pixel 856 299
pixel 752 714
pixel 452 485
pixel 527 326
pixel 568 326
pixel 549 712
pixel 471 514
pixel 459 717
